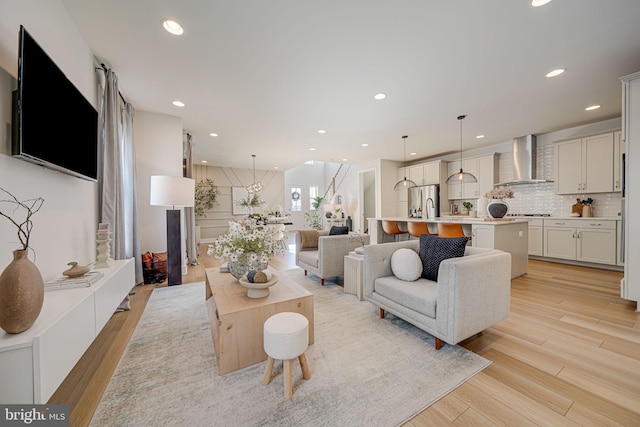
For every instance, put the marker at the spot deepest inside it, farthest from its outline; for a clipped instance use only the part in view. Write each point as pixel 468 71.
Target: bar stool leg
pixel 266 379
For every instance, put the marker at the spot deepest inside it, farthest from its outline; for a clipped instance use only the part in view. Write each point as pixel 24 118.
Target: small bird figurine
pixel 76 270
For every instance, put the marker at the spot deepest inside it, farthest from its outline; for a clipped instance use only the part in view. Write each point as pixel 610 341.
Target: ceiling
pixel 267 75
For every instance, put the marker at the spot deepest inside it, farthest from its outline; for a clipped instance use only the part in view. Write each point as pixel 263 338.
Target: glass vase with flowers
pixel 246 246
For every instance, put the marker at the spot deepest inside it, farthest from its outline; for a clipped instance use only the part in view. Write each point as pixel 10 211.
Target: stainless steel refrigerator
pixel 424 201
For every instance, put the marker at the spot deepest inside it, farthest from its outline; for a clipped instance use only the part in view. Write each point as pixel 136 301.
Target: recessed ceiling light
pixel 412 154
pixel 593 107
pixel 203 161
pixel 172 27
pixel 538 3
pixel 322 131
pixel 344 160
pixel 380 96
pixel 312 149
pixel 275 167
pixel 178 103
pixel 479 136
pixel 213 134
pixel 365 145
pixel 556 72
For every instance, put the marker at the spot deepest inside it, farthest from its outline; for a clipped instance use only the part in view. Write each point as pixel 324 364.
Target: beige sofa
pixel 327 259
pixel 472 292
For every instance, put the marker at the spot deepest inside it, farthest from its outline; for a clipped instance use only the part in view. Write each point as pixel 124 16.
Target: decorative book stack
pixel 104 246
pixel 83 281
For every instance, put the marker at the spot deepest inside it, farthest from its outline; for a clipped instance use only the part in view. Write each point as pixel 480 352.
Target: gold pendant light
pixel 405 183
pixel 461 177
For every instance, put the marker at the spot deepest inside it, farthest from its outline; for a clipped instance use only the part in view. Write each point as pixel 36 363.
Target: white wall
pixel 216 220
pixel 64 229
pixel 320 174
pixel 158 146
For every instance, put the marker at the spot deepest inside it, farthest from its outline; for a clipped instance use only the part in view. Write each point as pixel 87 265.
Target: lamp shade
pixel 172 191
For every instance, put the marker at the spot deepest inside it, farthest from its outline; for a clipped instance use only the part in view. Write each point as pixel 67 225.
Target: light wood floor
pixel 569 354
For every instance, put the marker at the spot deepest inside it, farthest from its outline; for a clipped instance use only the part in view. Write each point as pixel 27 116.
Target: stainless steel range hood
pixel 524 162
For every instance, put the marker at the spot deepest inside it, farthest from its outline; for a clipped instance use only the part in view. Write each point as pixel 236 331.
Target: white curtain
pixel 189 213
pixel 119 206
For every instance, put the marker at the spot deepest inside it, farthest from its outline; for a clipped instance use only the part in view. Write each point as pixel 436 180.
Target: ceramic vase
pixel 21 294
pixel 497 208
pixel 239 268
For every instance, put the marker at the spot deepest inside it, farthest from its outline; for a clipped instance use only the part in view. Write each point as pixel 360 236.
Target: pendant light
pixel 256 186
pixel 405 183
pixel 461 177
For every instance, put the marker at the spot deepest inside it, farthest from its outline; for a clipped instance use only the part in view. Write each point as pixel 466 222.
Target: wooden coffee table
pixel 237 320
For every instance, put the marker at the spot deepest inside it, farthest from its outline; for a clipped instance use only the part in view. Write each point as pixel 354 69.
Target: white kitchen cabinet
pixel 484 168
pixel 535 237
pixel 620 243
pixel 619 148
pixel 432 173
pixel 588 240
pixel 416 174
pixel 511 237
pixel 630 285
pixel 585 165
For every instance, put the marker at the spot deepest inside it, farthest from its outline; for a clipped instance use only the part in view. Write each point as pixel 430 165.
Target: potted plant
pixel 250 202
pixel 205 196
pixel 468 206
pixel 21 284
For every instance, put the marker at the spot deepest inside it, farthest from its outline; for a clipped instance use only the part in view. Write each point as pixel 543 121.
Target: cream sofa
pixel 471 294
pixel 327 259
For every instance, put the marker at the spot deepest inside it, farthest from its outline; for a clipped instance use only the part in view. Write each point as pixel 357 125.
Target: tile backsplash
pixel 541 198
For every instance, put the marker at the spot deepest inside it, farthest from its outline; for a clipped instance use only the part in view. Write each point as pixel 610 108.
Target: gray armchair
pixel 327 259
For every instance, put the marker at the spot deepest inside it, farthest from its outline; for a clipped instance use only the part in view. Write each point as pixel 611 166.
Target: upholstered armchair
pixel 321 254
pixel 471 293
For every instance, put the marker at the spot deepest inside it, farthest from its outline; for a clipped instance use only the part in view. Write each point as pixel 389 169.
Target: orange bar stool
pixel 391 228
pixel 417 228
pixel 450 230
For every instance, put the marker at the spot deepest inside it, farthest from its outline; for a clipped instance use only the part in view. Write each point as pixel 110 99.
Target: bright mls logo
pixel 37 415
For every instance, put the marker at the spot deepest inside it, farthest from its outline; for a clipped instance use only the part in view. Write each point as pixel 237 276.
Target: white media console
pixel 35 362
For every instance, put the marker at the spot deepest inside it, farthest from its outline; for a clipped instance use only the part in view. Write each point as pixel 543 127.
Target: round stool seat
pixel 286 335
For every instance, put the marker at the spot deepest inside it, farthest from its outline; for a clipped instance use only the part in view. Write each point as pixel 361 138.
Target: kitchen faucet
pixel 427 206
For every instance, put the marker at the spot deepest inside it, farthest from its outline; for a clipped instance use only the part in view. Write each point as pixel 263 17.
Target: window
pixel 313 193
pixel 296 199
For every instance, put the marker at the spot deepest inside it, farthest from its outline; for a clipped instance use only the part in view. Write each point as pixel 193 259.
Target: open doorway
pixel 367 196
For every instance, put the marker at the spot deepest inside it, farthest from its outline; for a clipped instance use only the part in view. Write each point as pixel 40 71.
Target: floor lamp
pixel 174 191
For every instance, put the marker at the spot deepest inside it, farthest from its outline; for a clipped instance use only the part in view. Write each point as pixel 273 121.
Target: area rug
pixel 366 371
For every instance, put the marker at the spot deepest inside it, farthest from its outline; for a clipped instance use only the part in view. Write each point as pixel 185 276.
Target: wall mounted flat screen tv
pixel 53 123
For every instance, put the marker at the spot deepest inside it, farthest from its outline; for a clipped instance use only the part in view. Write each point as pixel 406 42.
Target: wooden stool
pixel 286 336
pixel 391 228
pixel 417 228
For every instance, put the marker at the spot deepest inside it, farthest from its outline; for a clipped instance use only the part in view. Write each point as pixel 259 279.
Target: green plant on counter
pixel 467 205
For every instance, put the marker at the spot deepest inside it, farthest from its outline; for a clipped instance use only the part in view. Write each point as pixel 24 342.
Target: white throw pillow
pixel 406 265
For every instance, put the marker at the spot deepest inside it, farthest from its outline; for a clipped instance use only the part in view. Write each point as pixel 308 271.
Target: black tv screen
pixel 54 125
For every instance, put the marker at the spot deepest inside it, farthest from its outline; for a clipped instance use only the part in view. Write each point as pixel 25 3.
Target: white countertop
pixel 462 219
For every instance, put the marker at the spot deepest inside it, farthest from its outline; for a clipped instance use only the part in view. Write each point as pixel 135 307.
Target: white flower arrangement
pixel 499 193
pixel 248 241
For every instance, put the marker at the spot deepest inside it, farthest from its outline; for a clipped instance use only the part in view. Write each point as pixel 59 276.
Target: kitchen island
pixel 509 235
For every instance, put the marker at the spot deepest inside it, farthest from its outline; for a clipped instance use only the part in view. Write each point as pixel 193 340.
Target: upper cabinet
pixel 426 173
pixel 585 165
pixel 484 168
pixel 619 148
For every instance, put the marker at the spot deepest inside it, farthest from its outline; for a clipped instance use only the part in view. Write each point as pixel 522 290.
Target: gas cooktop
pixel 527 214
